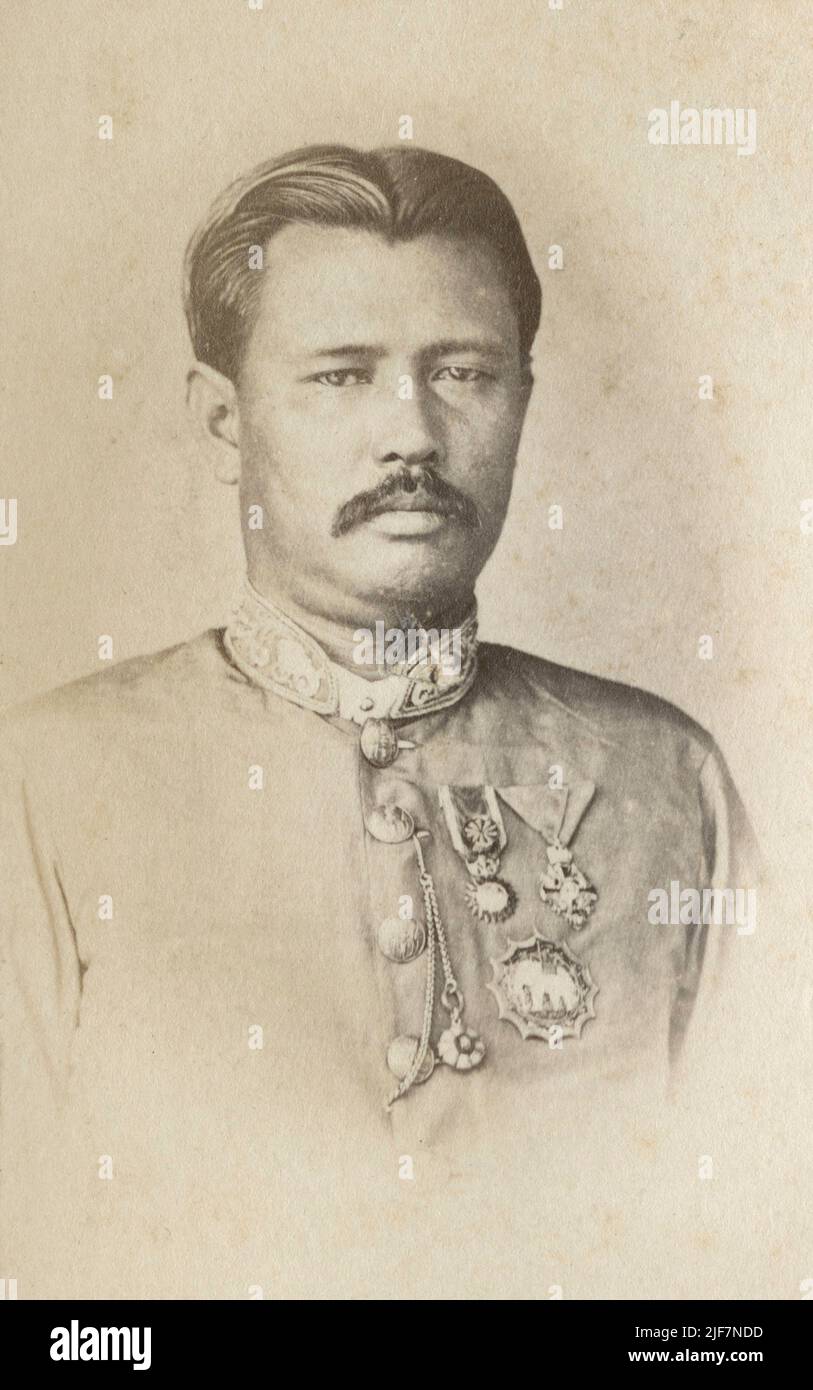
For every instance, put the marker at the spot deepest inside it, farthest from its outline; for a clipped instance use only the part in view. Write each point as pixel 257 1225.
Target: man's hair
pixel 398 192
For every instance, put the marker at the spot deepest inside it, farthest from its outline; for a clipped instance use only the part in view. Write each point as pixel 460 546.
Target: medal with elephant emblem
pixel 543 988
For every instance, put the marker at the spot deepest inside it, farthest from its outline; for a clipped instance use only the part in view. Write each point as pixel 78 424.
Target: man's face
pixel 381 402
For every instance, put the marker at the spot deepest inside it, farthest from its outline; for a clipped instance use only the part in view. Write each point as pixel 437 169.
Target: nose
pixel 406 433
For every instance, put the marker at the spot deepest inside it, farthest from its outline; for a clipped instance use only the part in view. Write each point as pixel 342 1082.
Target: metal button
pixel 401 1054
pixel 379 742
pixel 390 824
pixel 401 939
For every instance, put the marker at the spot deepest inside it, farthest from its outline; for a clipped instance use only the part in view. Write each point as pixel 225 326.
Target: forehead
pixel 324 285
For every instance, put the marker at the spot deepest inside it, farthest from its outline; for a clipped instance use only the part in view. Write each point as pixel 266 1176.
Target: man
pixel 271 906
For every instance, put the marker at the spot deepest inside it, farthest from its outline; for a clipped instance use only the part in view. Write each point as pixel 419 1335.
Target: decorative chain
pixel 451 998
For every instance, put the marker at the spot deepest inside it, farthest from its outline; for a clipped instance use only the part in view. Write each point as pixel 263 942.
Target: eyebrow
pixel 486 347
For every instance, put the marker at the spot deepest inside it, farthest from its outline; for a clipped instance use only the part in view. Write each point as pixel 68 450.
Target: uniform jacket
pixel 194 984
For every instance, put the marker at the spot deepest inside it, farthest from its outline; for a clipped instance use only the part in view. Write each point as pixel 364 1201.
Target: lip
pixel 408 521
pixel 417 503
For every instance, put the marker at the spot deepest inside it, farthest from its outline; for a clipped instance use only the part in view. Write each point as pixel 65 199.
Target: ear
pixel 212 401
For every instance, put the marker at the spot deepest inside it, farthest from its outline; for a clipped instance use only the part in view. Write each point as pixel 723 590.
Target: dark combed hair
pixel 398 192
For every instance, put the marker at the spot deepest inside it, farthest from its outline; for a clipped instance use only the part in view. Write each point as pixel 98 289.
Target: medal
pixel 459 1048
pixel 478 834
pixel 543 989
pixel 555 814
pixel 492 900
pixel 564 887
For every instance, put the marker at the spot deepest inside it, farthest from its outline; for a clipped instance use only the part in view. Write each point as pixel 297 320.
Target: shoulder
pixel 612 712
pixel 143 689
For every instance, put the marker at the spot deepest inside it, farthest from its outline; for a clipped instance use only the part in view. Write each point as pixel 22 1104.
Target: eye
pixel 343 376
pixel 461 374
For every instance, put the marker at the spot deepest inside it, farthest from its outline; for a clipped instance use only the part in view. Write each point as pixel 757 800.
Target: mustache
pixel 444 499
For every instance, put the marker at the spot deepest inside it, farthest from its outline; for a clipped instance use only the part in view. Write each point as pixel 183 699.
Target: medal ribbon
pixel 477 831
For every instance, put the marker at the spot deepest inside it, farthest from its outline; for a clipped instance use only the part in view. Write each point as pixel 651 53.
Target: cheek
pixel 278 455
pixel 292 472
pixel 486 454
pixel 269 430
pixel 310 435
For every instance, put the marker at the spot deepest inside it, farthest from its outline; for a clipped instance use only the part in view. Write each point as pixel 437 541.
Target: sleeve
pixel 40 981
pixel 731 866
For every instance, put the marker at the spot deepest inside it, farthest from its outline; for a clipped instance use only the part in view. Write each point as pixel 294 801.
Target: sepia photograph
pixel 406 541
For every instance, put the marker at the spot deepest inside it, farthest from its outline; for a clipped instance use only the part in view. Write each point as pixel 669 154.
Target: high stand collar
pixel 278 654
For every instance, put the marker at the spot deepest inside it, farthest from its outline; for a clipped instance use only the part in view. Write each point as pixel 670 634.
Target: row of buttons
pixel 400 939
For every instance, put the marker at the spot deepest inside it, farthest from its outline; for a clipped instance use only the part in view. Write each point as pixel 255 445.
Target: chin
pixel 417 586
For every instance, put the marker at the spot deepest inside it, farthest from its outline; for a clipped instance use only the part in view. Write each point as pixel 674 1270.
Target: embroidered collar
pixel 274 652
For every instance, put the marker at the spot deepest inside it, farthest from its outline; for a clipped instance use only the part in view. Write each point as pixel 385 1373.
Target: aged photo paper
pixel 406 536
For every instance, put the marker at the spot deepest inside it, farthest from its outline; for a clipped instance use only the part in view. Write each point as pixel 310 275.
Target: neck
pixel 336 636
